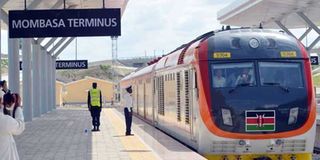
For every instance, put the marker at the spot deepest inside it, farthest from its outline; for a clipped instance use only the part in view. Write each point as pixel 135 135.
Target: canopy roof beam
pixel 63 47
pixel 305 34
pixel 3 2
pixel 313 26
pixel 34 4
pixel 285 28
pixel 46 46
pixel 57 45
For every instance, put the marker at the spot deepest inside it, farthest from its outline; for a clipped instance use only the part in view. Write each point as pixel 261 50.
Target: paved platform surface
pixel 61 135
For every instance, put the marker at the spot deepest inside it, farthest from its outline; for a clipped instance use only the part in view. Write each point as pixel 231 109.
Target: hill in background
pixel 104 70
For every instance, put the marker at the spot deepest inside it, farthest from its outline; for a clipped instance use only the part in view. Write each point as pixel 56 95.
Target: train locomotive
pixel 232 94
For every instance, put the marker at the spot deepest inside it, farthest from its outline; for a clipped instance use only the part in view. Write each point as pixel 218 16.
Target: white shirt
pixel 127 100
pixel 9 127
pixel 1 96
pixel 219 82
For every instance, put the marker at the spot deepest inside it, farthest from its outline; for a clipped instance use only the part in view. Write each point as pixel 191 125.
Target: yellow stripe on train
pixel 298 156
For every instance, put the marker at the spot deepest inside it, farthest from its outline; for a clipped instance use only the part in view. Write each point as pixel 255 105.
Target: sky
pixel 148 28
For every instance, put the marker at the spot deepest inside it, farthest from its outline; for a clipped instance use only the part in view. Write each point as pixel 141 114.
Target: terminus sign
pixel 69 64
pixel 64 23
pixel 72 64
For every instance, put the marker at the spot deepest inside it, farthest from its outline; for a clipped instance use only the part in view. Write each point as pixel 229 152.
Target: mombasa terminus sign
pixel 64 23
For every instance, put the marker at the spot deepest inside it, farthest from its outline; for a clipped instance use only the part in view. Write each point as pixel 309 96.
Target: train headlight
pixel 242 142
pixel 254 43
pixel 226 116
pixel 293 115
pixel 279 142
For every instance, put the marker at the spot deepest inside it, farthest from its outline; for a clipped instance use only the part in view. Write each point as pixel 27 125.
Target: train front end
pixel 256 96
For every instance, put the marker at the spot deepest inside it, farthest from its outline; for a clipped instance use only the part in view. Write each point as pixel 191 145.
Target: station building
pixel 76 92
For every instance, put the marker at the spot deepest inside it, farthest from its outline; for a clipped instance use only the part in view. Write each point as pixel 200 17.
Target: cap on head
pixel 2 83
pixel 94 85
pixel 129 89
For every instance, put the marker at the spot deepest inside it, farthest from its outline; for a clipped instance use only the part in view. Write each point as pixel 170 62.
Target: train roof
pixel 234 41
pixel 252 44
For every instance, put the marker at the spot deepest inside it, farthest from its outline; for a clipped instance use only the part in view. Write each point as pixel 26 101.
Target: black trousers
pixel 128 117
pixel 95 114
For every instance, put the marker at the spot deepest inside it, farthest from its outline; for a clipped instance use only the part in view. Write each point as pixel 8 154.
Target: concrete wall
pixel 77 91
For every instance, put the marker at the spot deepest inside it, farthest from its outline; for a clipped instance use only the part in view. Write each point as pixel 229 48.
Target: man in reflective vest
pixel 94 105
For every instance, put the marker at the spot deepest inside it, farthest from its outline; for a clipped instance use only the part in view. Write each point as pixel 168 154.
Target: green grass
pixel 316 81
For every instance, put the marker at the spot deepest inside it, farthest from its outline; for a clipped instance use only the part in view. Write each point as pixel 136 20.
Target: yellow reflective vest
pixel 95 97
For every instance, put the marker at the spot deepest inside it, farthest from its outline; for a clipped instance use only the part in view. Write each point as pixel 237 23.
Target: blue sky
pixel 150 27
pixel 153 26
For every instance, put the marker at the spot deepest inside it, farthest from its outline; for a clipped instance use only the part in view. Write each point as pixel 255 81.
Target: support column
pixel 0 47
pixel 36 80
pixel 42 81
pixel 26 83
pixel 13 58
pixel 114 50
pixel 45 86
pixel 54 81
pixel 50 89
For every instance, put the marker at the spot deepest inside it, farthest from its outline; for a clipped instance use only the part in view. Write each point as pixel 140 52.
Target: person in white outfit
pixel 9 127
pixel 2 92
pixel 128 109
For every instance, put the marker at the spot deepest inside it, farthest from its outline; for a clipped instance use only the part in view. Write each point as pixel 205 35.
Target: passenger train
pixel 232 94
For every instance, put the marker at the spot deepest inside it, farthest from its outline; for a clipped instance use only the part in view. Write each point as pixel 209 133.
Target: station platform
pixel 66 134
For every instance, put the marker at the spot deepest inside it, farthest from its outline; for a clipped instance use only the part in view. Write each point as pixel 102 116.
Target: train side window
pixel 178 97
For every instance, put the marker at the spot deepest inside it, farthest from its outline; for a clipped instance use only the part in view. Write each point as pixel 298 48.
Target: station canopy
pixel 7 5
pixel 248 13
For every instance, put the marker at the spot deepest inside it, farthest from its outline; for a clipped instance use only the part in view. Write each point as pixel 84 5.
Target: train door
pixel 189 76
pixel 153 95
pixel 156 100
pixel 144 101
pixel 195 105
pixel 137 97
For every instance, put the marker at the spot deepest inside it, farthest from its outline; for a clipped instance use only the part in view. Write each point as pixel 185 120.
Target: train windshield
pixel 279 73
pixel 233 74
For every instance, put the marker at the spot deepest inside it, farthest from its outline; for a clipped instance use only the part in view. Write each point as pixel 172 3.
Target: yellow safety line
pixel 132 144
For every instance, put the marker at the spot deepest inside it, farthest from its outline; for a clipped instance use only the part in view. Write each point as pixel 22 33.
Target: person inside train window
pixel 231 79
pixel 218 79
pixel 245 77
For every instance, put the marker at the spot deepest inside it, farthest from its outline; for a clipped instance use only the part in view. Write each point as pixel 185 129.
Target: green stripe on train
pixel 262 128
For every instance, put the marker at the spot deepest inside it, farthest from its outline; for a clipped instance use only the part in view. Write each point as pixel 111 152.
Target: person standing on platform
pixel 9 127
pixel 94 105
pixel 1 94
pixel 4 86
pixel 128 105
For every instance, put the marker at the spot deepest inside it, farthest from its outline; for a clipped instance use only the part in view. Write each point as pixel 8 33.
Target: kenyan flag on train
pixel 260 120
